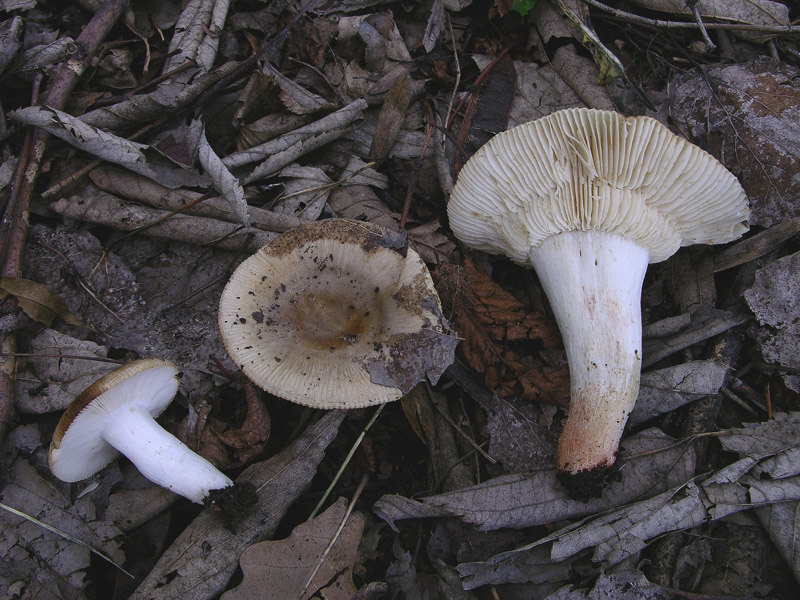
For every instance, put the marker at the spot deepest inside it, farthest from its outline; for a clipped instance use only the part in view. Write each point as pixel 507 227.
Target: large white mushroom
pixel 588 198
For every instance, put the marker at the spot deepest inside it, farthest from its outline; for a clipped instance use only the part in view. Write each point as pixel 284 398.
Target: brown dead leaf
pixel 224 443
pixel 280 569
pixel 490 320
pixel 38 302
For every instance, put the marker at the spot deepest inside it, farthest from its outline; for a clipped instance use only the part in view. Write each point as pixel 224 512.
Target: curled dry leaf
pixel 491 321
pixel 37 301
pixel 225 444
pixel 139 158
pixel 225 183
pixel 196 34
pixel 284 567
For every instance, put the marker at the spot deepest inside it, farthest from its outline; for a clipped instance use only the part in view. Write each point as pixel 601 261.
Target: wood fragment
pixel 109 210
pixel 756 246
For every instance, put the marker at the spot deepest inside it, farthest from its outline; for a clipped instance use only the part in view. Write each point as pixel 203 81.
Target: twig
pixel 362 484
pixel 346 462
pixel 692 4
pixel 64 356
pixel 639 20
pixel 464 434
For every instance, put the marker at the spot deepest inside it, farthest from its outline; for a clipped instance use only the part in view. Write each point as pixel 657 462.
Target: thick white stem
pixel 160 456
pixel 593 281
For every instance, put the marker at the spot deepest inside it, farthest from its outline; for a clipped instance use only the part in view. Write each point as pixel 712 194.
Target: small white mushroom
pixel 589 198
pixel 335 314
pixel 117 414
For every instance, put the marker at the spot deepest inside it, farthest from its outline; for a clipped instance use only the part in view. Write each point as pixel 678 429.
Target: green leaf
pixel 523 7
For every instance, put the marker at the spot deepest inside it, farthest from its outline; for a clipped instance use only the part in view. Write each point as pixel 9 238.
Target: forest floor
pixel 148 149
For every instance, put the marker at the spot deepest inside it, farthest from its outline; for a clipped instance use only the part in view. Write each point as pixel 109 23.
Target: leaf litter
pixel 197 154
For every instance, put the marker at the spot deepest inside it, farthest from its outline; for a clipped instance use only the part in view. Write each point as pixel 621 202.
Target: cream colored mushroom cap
pixel 583 169
pixel 335 314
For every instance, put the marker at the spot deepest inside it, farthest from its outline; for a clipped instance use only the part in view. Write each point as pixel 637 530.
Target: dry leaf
pixel 37 563
pixel 277 570
pixel 50 381
pixel 196 35
pixel 38 302
pixel 652 463
pixel 748 116
pixel 222 179
pixel 139 158
pixel 490 320
pixel 202 559
pixel 775 300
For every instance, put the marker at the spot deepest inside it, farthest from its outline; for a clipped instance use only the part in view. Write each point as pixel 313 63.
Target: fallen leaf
pixel 748 115
pixel 36 561
pixel 775 300
pixel 38 302
pixel 652 463
pixel 200 562
pixel 275 570
pixel 491 320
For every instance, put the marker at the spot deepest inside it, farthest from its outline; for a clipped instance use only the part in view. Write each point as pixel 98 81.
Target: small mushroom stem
pixel 160 456
pixel 593 280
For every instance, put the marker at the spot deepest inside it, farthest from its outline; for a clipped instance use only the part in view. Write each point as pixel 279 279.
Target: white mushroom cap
pixel 116 414
pixel 582 170
pixel 335 314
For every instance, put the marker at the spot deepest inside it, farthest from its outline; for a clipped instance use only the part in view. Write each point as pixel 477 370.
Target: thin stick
pixel 362 484
pixel 63 356
pixel 464 434
pixel 639 20
pixel 699 20
pixel 345 463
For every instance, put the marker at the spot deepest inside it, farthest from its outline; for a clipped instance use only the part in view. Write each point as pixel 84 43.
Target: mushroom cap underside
pixel 585 169
pixel 77 449
pixel 335 314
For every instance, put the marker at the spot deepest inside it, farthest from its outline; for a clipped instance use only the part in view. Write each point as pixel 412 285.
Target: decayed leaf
pixel 490 320
pixel 775 300
pixel 748 116
pixel 225 445
pixel 305 192
pixel 170 96
pixel 37 563
pixel 202 559
pixel 10 42
pixel 296 98
pixel 664 390
pixel 781 521
pixel 196 34
pixel 390 120
pixel 282 568
pixel 50 381
pixel 652 463
pixel 225 183
pixel 617 535
pixel 280 152
pixel 38 302
pixel 139 158
pixel 624 585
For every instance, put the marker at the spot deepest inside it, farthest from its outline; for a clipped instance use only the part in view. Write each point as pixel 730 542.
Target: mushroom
pixel 117 414
pixel 588 198
pixel 335 314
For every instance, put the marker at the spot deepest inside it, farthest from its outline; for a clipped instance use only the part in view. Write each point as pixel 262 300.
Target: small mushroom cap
pixel 583 169
pixel 335 314
pixel 78 450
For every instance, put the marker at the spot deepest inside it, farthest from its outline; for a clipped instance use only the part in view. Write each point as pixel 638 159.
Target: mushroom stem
pixel 160 456
pixel 593 280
